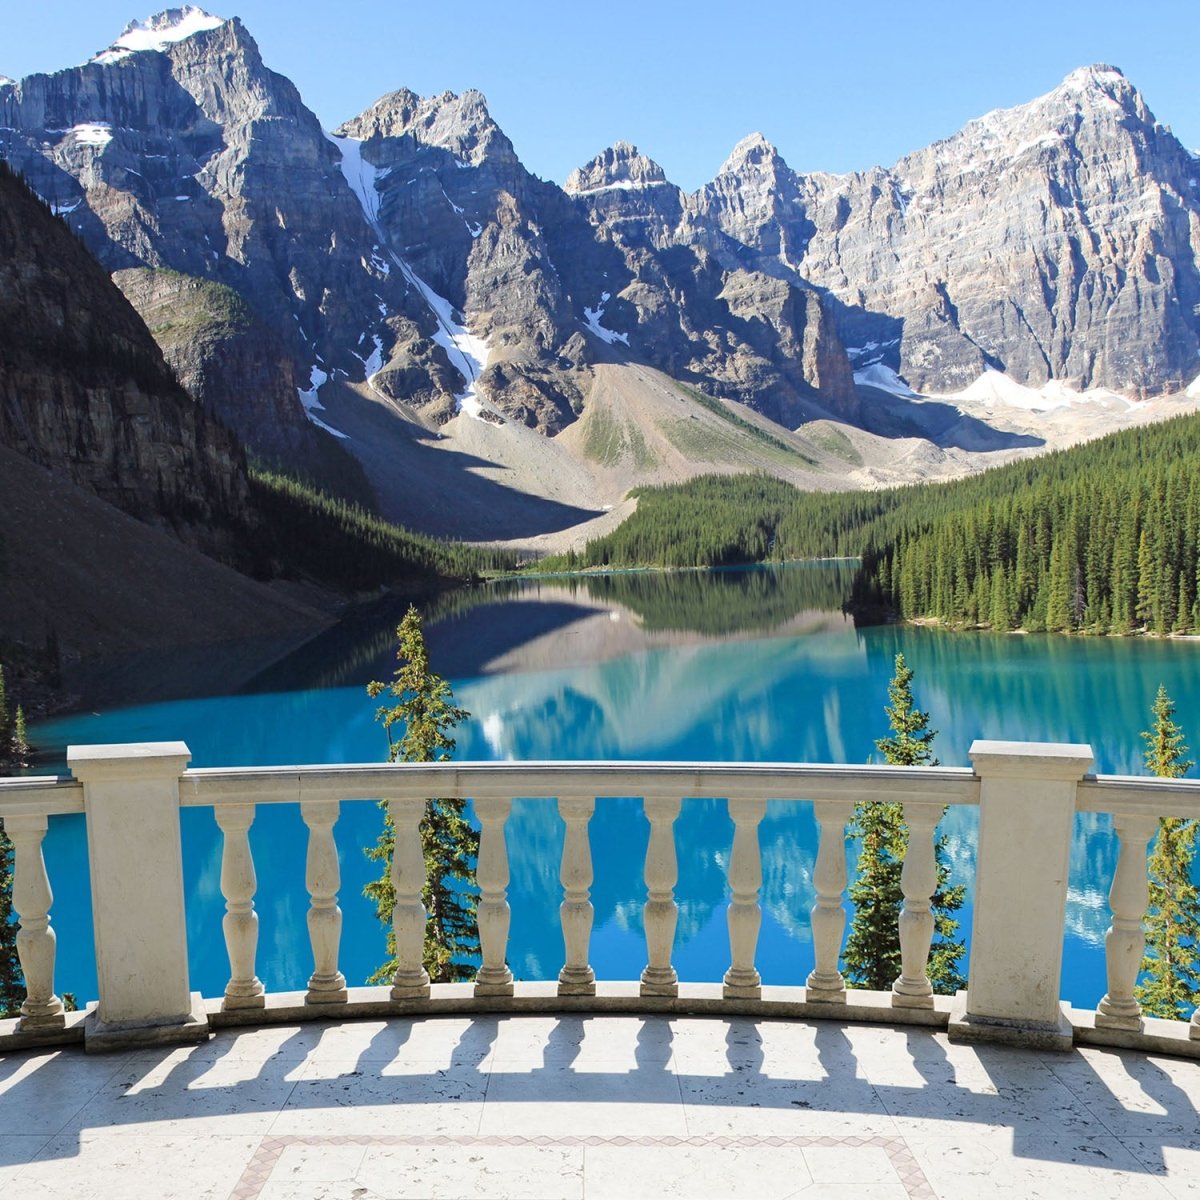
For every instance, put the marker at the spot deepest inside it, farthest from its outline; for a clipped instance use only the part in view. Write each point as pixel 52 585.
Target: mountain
pixel 1059 240
pixel 112 479
pixel 83 385
pixel 408 256
pixel 404 291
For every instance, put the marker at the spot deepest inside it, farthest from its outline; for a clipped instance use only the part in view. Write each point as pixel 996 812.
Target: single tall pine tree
pixel 6 729
pixel 872 955
pixel 425 710
pixel 1171 968
pixel 12 982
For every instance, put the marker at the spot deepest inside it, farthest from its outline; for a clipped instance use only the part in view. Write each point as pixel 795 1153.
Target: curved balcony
pixel 626 1087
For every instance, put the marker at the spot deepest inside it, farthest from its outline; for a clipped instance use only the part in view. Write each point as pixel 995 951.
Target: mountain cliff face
pixel 410 253
pixel 84 389
pixel 702 307
pixel 1056 240
pixel 410 248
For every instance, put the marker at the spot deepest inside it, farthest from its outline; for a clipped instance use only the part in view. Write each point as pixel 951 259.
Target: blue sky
pixel 835 87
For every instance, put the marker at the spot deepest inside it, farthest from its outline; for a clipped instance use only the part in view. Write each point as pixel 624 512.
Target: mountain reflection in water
pixel 751 665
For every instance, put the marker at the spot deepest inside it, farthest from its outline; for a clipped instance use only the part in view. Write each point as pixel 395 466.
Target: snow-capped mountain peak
pixel 158 32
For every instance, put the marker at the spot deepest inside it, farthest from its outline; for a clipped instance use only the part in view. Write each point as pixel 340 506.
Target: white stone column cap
pixel 1031 760
pixel 133 760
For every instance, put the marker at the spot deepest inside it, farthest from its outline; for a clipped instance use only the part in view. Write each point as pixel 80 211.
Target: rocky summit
pixel 402 285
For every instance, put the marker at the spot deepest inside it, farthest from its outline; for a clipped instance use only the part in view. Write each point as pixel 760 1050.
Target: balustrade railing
pixel 1027 795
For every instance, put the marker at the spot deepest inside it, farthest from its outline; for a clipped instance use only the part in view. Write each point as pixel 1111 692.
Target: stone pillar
pixel 131 804
pixel 1026 818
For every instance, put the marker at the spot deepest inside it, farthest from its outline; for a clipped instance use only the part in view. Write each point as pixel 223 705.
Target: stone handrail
pixel 1027 795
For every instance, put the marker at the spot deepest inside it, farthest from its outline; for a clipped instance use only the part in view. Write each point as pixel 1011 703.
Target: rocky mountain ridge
pixel 85 389
pixel 117 488
pixel 410 257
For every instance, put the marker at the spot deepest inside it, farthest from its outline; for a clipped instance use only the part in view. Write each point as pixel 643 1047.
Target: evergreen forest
pixel 1100 538
pixel 300 531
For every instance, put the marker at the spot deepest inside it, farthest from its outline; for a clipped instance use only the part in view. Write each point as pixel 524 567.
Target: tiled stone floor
pixel 593 1108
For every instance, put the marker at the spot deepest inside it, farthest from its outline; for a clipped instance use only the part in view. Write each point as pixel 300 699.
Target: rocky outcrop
pixel 707 307
pixel 223 353
pixel 84 389
pixel 755 201
pixel 198 158
pixel 235 365
pixel 461 216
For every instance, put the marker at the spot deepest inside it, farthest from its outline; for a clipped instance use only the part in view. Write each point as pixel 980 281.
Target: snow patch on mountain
pixel 373 363
pixel 877 375
pixel 994 387
pixel 308 398
pixel 158 32
pixel 92 133
pixel 361 175
pixel 622 185
pixel 467 353
pixel 1193 389
pixel 592 318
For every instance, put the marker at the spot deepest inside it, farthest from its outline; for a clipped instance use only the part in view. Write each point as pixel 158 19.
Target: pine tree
pixel 912 743
pixel 872 955
pixel 1171 966
pixel 1001 612
pixel 20 741
pixel 12 982
pixel 426 711
pixel 871 958
pixel 6 729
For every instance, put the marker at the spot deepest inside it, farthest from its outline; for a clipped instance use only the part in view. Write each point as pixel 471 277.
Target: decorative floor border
pixel 258 1170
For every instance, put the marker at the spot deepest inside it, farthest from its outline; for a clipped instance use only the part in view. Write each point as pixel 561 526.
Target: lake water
pixel 741 665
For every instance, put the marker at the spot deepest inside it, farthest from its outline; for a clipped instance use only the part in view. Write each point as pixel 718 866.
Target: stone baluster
pixel 411 980
pixel 322 877
pixel 1125 942
pixel 32 898
pixel 742 981
pixel 918 882
pixel 240 923
pixel 576 977
pixel 825 984
pixel 660 913
pixel 494 977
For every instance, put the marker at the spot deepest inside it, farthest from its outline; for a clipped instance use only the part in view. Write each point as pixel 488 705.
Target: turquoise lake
pixel 741 665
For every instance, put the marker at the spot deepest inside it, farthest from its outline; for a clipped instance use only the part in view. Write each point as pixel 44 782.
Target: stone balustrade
pixel 1027 794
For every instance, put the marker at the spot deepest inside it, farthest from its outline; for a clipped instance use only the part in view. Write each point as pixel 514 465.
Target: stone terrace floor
pixel 595 1107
